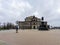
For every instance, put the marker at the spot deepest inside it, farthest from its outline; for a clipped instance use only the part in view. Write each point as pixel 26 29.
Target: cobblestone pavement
pixel 30 37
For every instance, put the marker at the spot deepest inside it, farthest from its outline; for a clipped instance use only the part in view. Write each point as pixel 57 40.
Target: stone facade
pixel 30 22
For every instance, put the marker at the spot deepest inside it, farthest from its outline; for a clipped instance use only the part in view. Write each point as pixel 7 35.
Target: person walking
pixel 17 27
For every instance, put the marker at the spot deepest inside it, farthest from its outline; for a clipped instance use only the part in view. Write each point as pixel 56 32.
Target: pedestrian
pixel 17 27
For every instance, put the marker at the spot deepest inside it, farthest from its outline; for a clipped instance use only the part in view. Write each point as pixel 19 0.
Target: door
pixel 33 27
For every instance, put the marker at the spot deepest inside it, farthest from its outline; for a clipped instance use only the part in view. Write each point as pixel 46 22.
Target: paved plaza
pixel 30 37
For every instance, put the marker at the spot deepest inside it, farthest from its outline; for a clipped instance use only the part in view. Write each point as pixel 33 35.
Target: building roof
pixel 30 18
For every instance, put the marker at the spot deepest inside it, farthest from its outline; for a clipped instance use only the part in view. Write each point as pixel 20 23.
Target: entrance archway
pixel 34 27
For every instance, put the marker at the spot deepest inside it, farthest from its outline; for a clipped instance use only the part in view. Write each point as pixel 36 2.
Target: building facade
pixel 30 22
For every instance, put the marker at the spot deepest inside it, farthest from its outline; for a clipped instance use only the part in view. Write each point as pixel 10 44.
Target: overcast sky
pixel 13 10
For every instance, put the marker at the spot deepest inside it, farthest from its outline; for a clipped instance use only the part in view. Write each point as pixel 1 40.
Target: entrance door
pixel 33 27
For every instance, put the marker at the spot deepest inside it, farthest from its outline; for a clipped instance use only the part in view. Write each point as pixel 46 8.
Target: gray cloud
pixel 13 10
